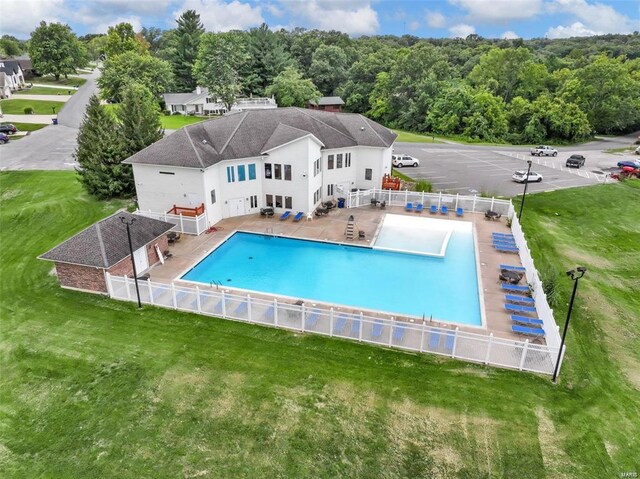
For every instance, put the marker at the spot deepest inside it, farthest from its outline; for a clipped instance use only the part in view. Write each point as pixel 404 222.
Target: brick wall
pixel 81 277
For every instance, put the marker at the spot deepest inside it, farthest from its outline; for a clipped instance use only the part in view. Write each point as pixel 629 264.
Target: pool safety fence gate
pixel 328 321
pixel 193 225
pixel 474 204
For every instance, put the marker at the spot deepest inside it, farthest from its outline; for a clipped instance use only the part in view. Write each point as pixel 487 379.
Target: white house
pixel 288 158
pixel 11 77
pixel 199 102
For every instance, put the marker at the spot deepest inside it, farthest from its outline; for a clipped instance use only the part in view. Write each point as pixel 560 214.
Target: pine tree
pixel 139 118
pixel 100 154
pixel 185 43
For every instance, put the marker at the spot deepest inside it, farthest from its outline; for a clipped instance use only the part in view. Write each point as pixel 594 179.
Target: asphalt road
pixel 468 169
pixel 52 147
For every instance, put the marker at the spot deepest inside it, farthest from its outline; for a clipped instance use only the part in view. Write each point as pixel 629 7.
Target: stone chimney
pixel 198 90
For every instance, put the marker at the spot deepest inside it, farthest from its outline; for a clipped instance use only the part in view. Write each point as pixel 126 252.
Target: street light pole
pixel 526 183
pixel 133 262
pixel 575 277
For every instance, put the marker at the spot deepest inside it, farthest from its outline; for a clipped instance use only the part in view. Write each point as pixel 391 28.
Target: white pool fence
pixel 193 225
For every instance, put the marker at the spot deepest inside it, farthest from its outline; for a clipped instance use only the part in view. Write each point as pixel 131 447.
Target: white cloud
pixel 509 35
pixel 436 20
pixel 593 17
pixel 576 29
pixel 274 10
pixel 222 16
pixel 21 19
pixel 499 10
pixel 103 27
pixel 461 30
pixel 413 26
pixel 352 17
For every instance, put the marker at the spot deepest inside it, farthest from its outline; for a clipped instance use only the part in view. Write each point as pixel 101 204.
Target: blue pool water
pixel 445 288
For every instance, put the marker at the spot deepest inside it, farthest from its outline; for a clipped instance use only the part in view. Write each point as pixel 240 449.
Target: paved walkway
pixel 39 119
pixel 55 87
pixel 42 97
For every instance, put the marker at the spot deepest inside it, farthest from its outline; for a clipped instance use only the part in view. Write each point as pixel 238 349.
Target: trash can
pixel 55 121
pixel 341 202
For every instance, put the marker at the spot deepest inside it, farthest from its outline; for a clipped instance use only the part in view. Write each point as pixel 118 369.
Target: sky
pixel 422 18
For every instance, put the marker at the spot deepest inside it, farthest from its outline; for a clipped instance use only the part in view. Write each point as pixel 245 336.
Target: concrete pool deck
pixel 190 249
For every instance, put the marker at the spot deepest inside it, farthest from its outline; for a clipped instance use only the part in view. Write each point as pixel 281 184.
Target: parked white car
pixel 638 151
pixel 545 150
pixel 404 160
pixel 521 177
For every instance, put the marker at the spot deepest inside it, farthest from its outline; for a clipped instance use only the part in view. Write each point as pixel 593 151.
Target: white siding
pixel 158 192
pixel 226 191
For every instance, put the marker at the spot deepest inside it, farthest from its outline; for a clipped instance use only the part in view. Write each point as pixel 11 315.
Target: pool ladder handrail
pixel 269 231
pixel 218 283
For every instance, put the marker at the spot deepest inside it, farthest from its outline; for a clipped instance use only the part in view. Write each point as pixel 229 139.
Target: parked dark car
pixel 575 161
pixel 4 138
pixel 8 128
pixel 631 163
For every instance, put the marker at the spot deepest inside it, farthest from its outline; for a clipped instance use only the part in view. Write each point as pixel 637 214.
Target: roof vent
pixel 204 141
pixel 362 128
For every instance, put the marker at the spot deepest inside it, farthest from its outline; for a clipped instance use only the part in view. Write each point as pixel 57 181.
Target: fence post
pixel 173 295
pixel 474 203
pixel 181 224
pixel 150 291
pixel 457 198
pixel 486 359
pixel 564 349
pixel 524 354
pixel 391 330
pixel 361 323
pixel 440 200
pixel 331 320
pixel 126 282
pixel 422 338
pixel 107 278
pixel 389 192
pixel 304 316
pixel 224 305
pixel 198 305
pixel 492 201
pixel 249 308
pixel 455 342
pixel 275 312
pixel 406 196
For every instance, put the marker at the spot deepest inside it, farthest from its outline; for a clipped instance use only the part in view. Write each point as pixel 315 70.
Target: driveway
pixel 52 147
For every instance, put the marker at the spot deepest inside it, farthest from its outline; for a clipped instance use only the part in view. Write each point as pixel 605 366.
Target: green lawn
pixel 408 137
pixel 43 90
pixel 40 107
pixel 27 126
pixel 92 387
pixel 175 122
pixel 49 80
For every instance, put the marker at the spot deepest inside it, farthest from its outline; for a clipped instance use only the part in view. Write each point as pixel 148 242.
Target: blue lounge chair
pixel 312 319
pixel 512 268
pixel 241 308
pixel 459 212
pixel 398 332
pixel 504 237
pixel 537 332
pixel 340 324
pixel 355 326
pixel 505 249
pixel 433 210
pixel 409 207
pixel 419 208
pixel 518 308
pixel 496 241
pixel 449 340
pixel 444 210
pixel 298 216
pixel 519 299
pixel 434 340
pixel 524 320
pixel 376 332
pixel 515 288
pixel 285 215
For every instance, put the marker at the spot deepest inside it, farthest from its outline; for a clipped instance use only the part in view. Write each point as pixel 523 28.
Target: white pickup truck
pixel 544 150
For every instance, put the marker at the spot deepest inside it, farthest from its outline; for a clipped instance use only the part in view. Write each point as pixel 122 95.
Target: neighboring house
pixel 288 158
pixel 327 103
pixel 14 77
pixel 199 102
pixel 82 260
pixel 5 85
pixel 27 68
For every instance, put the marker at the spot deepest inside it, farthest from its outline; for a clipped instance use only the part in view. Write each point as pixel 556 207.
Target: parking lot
pixel 488 170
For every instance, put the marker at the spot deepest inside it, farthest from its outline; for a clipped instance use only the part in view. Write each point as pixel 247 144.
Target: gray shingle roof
pixel 328 100
pixel 105 243
pixel 9 66
pixel 247 134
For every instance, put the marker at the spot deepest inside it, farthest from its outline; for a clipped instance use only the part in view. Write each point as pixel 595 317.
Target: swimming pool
pixel 379 280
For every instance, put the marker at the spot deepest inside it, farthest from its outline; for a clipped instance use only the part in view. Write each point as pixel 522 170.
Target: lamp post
pixel 575 277
pixel 133 262
pixel 526 183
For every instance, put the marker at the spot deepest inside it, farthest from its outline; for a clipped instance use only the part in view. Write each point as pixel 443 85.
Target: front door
pixel 236 207
pixel 141 260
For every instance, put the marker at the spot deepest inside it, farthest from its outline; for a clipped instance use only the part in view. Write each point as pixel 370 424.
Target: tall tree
pixel 220 59
pixel 117 71
pixel 290 89
pixel 269 58
pixel 152 36
pixel 121 38
pixel 184 50
pixel 99 154
pixel 139 117
pixel 328 68
pixel 54 49
pixel 502 71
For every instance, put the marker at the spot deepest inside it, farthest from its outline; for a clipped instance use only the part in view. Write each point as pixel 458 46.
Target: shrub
pixel 176 113
pixel 28 110
pixel 549 277
pixel 166 112
pixel 424 186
